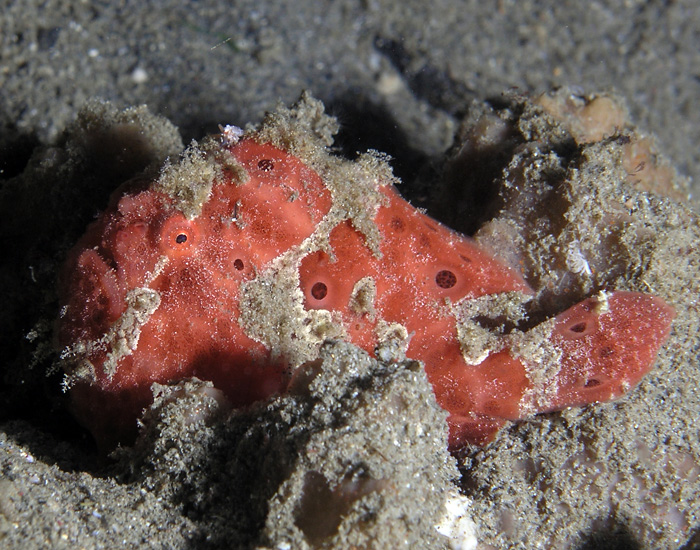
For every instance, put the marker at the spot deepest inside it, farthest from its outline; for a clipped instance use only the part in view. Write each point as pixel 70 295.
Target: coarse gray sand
pixel 400 77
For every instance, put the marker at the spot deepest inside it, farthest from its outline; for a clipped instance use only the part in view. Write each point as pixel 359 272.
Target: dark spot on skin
pixel 397 224
pixel 578 328
pixel 319 290
pixel 592 383
pixel 185 277
pixel 181 238
pixel 98 316
pixel 262 228
pixel 491 407
pixel 266 165
pixel 607 352
pixel 424 240
pixel 464 258
pixel 445 279
pixel 238 264
pixel 87 286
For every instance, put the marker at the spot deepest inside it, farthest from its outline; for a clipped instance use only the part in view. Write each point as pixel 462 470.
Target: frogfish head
pixel 151 295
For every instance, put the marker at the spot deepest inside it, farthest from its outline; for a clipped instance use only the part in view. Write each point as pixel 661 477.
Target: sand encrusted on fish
pixel 189 179
pixel 306 131
pixel 272 308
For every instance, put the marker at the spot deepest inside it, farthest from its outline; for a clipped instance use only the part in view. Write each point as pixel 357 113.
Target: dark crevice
pixel 366 125
pixel 610 537
pixel 427 82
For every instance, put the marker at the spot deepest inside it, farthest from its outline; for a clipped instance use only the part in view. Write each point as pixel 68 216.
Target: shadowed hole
pixel 578 328
pixel 266 165
pixel 445 279
pixel 238 264
pixel 98 316
pixel 319 290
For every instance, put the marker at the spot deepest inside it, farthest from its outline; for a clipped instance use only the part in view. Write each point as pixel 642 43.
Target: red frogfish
pixel 242 281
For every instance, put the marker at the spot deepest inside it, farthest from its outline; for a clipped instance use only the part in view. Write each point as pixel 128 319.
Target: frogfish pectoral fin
pixel 481 398
pixel 608 344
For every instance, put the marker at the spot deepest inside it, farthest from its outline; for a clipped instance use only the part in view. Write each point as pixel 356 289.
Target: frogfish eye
pixel 177 235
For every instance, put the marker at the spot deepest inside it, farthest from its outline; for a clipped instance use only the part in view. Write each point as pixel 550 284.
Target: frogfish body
pixel 150 294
